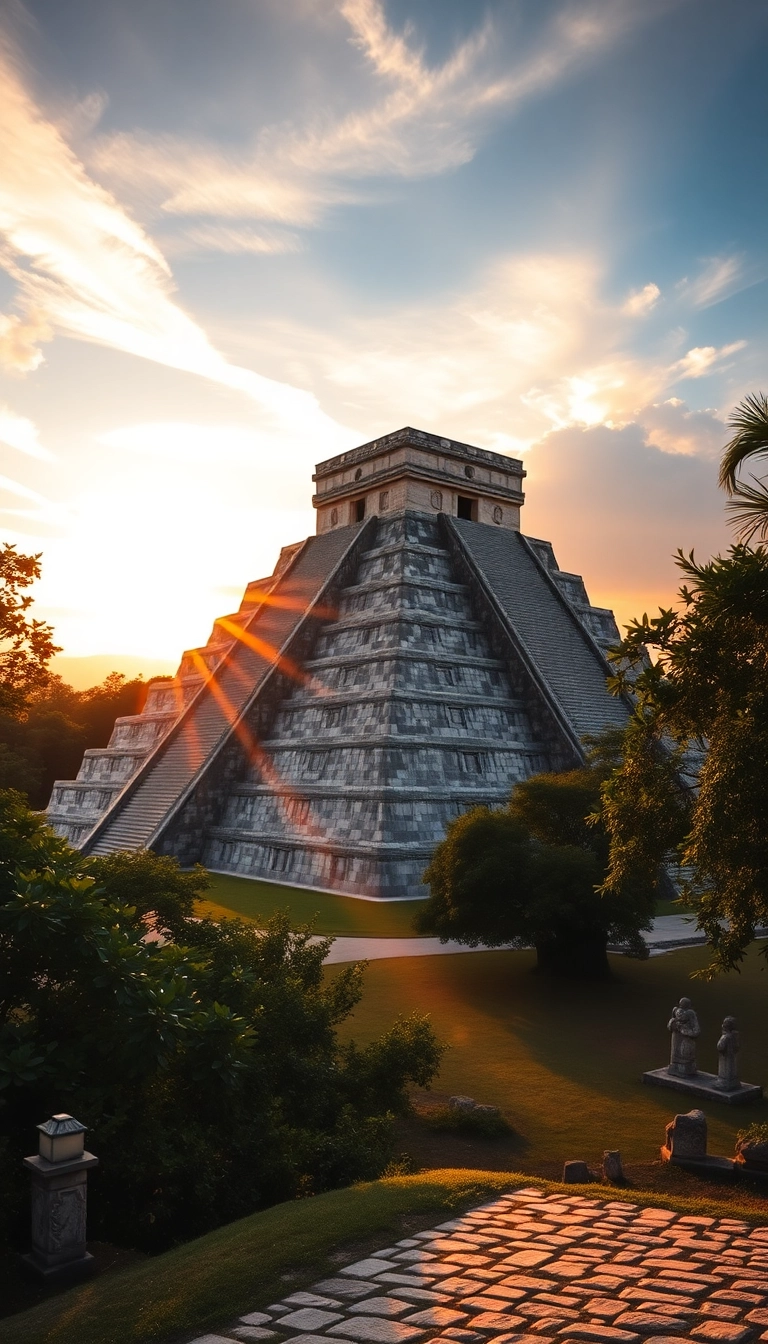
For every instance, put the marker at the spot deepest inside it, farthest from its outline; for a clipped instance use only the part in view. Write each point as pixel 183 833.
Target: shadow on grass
pixel 563 1059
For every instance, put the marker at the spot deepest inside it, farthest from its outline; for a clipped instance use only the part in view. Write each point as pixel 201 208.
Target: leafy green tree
pixel 207 1064
pixel 748 504
pixel 692 785
pixel 26 646
pixel 154 886
pixel 46 740
pixel 528 875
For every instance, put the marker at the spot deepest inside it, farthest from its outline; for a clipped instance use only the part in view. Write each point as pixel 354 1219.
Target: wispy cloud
pixel 416 120
pixel 20 433
pixel 718 278
pixel 83 266
pixel 38 508
pixel 228 239
pixel 533 344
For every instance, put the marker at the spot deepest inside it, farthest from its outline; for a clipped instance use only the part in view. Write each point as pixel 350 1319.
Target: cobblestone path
pixel 532 1267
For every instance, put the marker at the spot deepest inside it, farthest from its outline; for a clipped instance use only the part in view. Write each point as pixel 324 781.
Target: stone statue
pixel 727 1050
pixel 684 1026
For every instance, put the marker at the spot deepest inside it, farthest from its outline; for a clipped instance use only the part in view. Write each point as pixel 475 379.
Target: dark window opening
pixel 466 508
pixel 359 510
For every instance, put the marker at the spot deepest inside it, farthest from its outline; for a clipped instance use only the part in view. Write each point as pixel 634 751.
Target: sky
pixel 237 238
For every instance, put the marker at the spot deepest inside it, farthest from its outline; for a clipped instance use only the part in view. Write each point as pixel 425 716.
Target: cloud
pixel 84 267
pixel 532 344
pixel 718 279
pixel 224 238
pixel 702 359
pixel 42 511
pixel 412 120
pixel 641 301
pixel 19 433
pixel 20 340
pixel 674 428
pixel 588 489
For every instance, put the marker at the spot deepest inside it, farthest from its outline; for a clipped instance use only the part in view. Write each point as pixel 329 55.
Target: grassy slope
pixel 563 1060
pixel 252 1262
pixel 341 915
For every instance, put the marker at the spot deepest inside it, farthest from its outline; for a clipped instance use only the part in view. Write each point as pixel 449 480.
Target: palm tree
pixel 748 504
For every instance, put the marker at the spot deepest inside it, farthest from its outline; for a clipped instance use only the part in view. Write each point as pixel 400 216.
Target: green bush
pixel 205 1064
pixel 450 1119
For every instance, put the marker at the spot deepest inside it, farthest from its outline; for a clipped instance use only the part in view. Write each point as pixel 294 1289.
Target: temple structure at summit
pixel 414 658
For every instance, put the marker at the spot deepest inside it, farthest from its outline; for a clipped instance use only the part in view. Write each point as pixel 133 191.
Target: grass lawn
pixel 563 1060
pixel 253 899
pixel 257 1260
pixel 340 915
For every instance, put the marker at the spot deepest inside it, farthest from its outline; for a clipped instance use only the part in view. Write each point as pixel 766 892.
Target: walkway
pixel 669 932
pixel 532 1267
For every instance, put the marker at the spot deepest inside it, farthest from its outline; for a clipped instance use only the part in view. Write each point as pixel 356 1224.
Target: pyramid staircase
pixel 390 675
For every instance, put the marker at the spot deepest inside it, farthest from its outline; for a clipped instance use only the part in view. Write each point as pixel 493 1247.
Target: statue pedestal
pixel 704 1085
pixel 58 1216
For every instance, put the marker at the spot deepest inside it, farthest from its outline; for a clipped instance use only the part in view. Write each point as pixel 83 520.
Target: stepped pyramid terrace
pixel 415 657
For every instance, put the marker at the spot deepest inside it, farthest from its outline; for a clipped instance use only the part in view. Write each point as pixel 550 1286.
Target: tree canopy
pixel 26 646
pixel 45 741
pixel 692 785
pixel 747 504
pixel 528 874
pixel 206 1063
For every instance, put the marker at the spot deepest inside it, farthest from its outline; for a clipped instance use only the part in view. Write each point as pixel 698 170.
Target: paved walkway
pixel 532 1267
pixel 669 932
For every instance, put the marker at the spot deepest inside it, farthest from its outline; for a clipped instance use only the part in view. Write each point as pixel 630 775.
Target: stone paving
pixel 531 1268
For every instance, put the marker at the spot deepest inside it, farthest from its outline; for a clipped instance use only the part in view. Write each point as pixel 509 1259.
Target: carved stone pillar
pixel 59 1181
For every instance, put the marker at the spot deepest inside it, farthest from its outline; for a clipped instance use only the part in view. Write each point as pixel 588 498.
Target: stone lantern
pixel 59 1180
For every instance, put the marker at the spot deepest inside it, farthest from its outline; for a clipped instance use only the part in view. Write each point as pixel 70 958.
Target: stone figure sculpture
pixel 684 1027
pixel 727 1049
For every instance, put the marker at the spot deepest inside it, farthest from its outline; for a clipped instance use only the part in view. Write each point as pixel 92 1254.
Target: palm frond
pixel 750 421
pixel 748 508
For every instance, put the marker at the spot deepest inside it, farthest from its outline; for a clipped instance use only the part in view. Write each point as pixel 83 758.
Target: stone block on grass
pixel 576 1173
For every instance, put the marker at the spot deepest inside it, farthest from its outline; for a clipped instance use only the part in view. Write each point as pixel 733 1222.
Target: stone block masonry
pixel 606 1272
pixel 395 671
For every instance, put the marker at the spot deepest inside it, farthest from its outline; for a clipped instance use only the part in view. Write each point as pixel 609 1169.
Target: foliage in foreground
pixel 205 1284
pixel 692 782
pixel 528 875
pixel 747 504
pixel 205 1063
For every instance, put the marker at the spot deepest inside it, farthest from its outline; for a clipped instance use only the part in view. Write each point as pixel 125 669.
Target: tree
pixel 26 646
pixel 207 1064
pixel 154 885
pixel 528 874
pixel 692 785
pixel 46 740
pixel 748 504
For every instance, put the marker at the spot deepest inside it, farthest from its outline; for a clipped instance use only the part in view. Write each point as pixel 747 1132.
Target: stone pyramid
pixel 416 657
